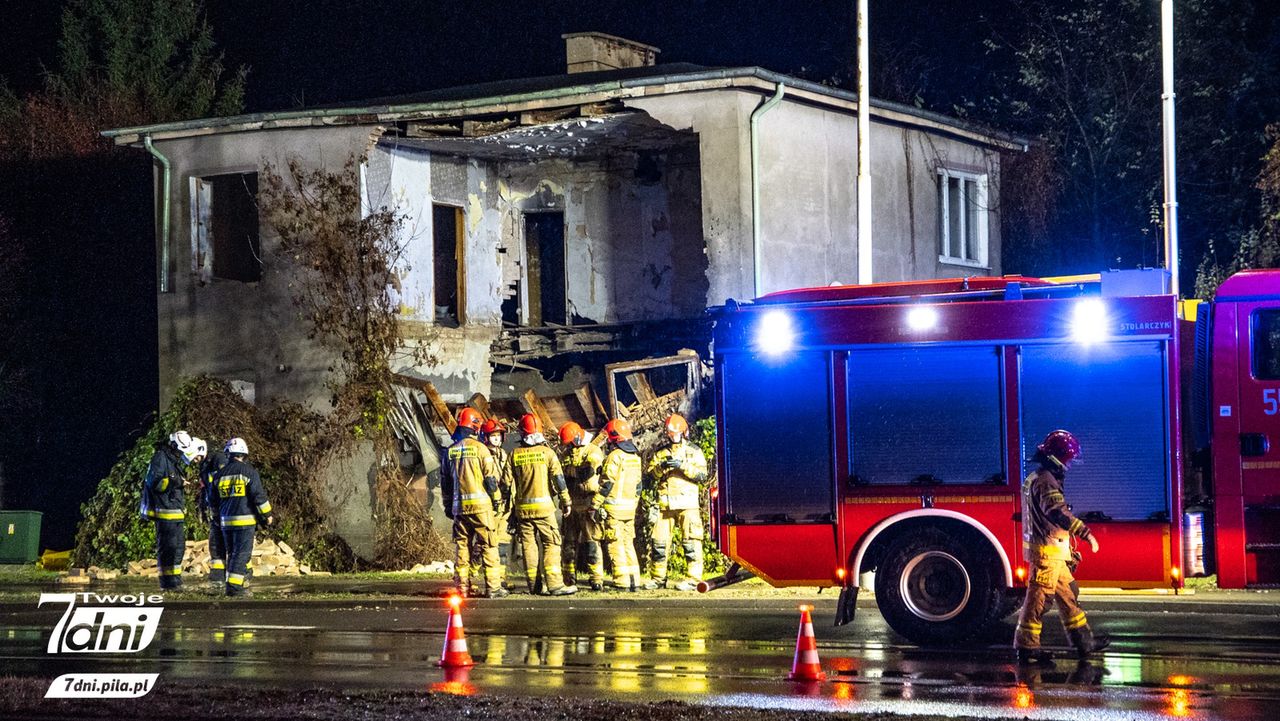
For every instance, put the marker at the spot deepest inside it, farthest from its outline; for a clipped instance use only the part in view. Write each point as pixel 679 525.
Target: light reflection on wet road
pixel 1163 664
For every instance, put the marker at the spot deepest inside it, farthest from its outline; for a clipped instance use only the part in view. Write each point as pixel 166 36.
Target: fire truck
pixel 883 432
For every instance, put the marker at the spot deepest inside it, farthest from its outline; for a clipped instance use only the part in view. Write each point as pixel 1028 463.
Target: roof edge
pixel 382 113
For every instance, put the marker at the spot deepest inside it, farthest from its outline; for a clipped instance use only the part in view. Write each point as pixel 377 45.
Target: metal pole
pixel 1170 151
pixel 164 213
pixel 864 148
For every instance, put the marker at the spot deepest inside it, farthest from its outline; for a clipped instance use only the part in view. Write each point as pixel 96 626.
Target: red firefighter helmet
pixel 491 426
pixel 529 425
pixel 677 424
pixel 617 430
pixel 1060 445
pixel 570 433
pixel 470 418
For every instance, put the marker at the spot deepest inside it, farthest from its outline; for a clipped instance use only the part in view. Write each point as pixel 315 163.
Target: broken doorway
pixel 545 282
pixel 446 224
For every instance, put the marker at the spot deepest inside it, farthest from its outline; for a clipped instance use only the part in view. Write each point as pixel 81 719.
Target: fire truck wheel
pixel 935 588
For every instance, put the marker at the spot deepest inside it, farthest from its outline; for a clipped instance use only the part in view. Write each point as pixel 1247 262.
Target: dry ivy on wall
pixel 346 260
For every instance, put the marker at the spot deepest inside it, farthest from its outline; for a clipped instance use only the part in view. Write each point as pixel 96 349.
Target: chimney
pixel 589 52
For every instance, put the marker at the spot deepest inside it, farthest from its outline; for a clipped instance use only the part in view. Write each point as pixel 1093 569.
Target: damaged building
pixel 564 236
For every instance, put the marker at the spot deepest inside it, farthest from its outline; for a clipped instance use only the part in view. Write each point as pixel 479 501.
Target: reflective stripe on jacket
pixel 678 487
pixel 621 477
pixel 470 464
pixel 163 497
pixel 1047 523
pixel 240 494
pixel 534 475
pixel 582 472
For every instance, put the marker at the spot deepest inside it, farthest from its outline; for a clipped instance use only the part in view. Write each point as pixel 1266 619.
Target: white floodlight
pixel 922 317
pixel 775 333
pixel 1089 321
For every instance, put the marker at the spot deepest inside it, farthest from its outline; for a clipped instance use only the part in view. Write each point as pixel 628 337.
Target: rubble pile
pixel 270 558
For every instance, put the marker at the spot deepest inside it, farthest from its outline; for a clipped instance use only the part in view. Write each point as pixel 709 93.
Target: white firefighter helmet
pixel 200 449
pixel 183 443
pixel 237 446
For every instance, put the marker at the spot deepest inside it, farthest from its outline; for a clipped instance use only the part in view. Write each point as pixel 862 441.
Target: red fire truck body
pixel 887 428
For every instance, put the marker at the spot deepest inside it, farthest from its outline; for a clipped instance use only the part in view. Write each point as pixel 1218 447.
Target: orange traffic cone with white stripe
pixel 455 654
pixel 806 666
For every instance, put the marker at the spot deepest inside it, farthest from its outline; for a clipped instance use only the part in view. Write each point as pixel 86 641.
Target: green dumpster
pixel 19 536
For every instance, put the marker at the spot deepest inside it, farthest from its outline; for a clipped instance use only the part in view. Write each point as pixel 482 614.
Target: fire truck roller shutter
pixel 939 578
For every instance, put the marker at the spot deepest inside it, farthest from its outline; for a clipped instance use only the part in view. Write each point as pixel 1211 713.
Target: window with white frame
pixel 224 227
pixel 962 217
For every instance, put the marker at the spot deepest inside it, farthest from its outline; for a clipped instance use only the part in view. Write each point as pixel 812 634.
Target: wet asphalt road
pixel 1171 658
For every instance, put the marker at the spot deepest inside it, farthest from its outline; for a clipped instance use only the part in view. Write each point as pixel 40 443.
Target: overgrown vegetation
pixel 286 444
pixel 346 258
pixel 702 433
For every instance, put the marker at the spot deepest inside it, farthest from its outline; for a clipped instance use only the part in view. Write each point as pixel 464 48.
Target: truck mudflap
pixel 847 605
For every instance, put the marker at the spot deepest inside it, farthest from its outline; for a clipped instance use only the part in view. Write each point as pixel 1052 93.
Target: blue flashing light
pixel 1089 321
pixel 775 334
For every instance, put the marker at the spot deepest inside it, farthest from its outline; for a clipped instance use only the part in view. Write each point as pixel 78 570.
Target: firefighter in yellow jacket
pixel 582 462
pixel 536 480
pixel 619 494
pixel 469 485
pixel 677 469
pixel 493 434
pixel 1047 531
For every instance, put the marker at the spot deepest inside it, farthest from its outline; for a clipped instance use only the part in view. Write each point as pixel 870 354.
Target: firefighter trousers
pixel 238 543
pixel 620 537
pixel 171 546
pixel 502 535
pixel 217 553
pixel 689 521
pixel 582 537
pixel 476 530
pixel 1051 580
pixel 540 534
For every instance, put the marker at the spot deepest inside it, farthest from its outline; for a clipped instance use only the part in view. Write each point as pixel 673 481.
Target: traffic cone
pixel 455 654
pixel 806 666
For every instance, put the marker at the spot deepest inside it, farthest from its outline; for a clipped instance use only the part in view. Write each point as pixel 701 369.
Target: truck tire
pixel 936 589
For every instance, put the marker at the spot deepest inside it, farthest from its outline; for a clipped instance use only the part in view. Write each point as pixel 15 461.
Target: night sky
pixel 310 52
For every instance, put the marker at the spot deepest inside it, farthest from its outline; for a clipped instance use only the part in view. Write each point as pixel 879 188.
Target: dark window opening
pixel 1266 345
pixel 232 219
pixel 447 238
pixel 545 272
pixel 943 402
pixel 778 427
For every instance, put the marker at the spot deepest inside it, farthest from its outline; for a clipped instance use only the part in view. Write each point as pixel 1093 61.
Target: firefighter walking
pixel 242 501
pixel 1048 528
pixel 582 534
pixel 164 502
pixel 677 469
pixel 469 479
pixel 536 479
pixel 619 486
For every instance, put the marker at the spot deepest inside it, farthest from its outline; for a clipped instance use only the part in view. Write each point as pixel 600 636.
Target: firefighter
pixel 164 502
pixel 494 434
pixel 1047 532
pixel 242 502
pixel 534 475
pixel 616 508
pixel 469 478
pixel 208 506
pixel 582 534
pixel 678 469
